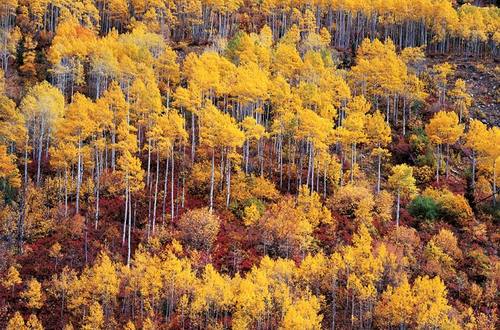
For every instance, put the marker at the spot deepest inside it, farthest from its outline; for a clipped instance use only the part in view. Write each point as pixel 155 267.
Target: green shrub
pixel 453 208
pixel 424 208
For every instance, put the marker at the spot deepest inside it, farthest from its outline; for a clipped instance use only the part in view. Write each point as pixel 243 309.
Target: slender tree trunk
pixel 129 246
pixel 404 116
pixel 334 302
pixel 22 217
pixel 65 192
pixel 125 216
pixel 40 147
pixel 26 162
pixel 149 164
pixel 172 199
pixel 438 161
pixel 98 183
pixel 379 162
pixel 247 155
pixel 113 150
pixel 447 160
pixel 228 182
pixel 353 160
pixel 86 244
pixel 473 170
pixel 398 208
pixel 212 179
pixel 78 175
pixel 156 191
pixel 165 187
pixel 495 183
pixel 193 137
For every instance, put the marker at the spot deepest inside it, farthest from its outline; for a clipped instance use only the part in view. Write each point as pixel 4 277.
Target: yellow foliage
pixel 12 278
pixel 103 279
pixel 431 305
pixel 33 294
pixel 286 228
pixel 444 128
pixel 453 206
pixel 303 314
pixel 309 204
pixel 365 269
pixel 251 215
pixel 219 129
pixel 402 180
pixel 384 203
pixel 16 322
pixel 95 319
pixel 396 305
pixel 347 199
pixel 447 241
pixel 33 323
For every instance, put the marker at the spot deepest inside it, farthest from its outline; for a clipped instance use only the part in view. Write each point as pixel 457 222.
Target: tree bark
pixel 398 208
pixel 212 179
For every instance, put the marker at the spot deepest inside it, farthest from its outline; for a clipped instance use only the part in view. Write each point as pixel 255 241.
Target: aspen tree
pixel 379 72
pixel 11 279
pixel 33 294
pixel 363 270
pixel 168 72
pixel 33 323
pixel 444 129
pixel 62 158
pixel 492 158
pixel 16 322
pixel 442 72
pixel 42 106
pixel 396 305
pixel 102 117
pixel 75 128
pixel 167 130
pixel 287 61
pixel 104 282
pixel 9 37
pixel 146 278
pixel 71 45
pixel 303 314
pixel 431 305
pixel 218 129
pixel 116 15
pixel 253 132
pixel 13 130
pixel 2 82
pixel 461 99
pixel 190 99
pixel 95 319
pixel 9 172
pixel 316 132
pixel 213 295
pixel 475 139
pixel 353 129
pixel 61 285
pixel 379 135
pixel 403 183
pixel 114 100
pixel 413 92
pixel 132 176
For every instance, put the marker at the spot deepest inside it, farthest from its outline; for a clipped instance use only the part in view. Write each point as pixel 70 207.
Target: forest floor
pixel 483 81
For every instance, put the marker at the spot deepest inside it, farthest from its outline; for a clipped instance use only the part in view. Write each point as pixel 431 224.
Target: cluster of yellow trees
pixel 256 107
pixel 273 135
pixel 467 29
pixel 162 283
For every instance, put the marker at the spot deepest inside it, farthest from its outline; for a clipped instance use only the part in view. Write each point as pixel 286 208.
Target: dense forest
pixel 236 164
